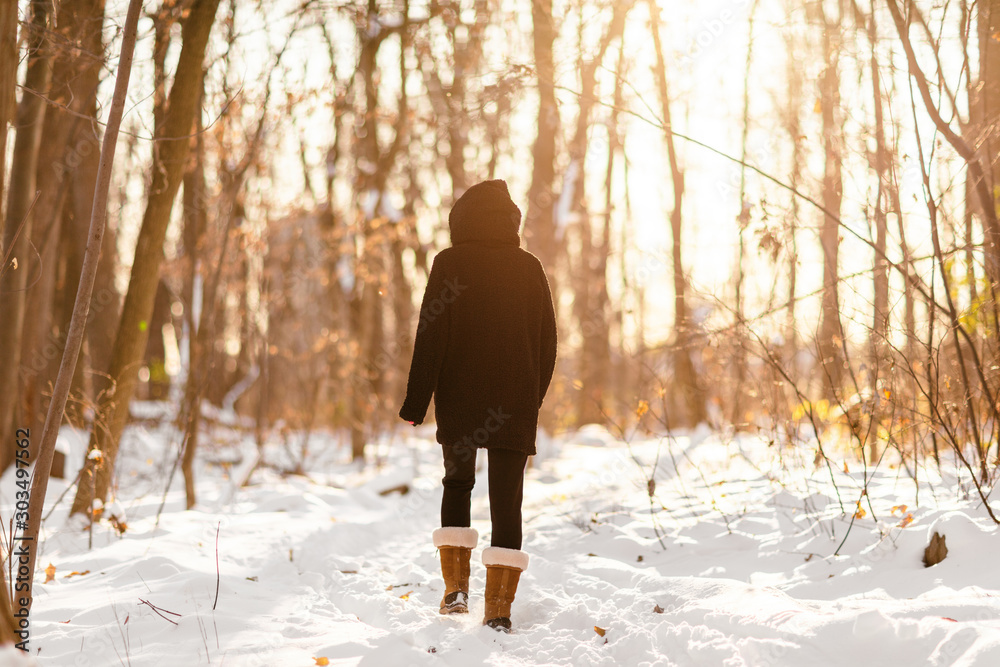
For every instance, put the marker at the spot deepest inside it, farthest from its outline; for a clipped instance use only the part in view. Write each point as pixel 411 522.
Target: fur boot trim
pixel 503 557
pixel 455 536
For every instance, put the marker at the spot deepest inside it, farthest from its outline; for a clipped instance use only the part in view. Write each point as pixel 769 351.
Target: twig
pixel 124 635
pixel 217 576
pixel 6 257
pixel 62 495
pixel 157 610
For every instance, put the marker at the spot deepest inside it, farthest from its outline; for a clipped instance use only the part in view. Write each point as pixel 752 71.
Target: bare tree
pixel 880 278
pixel 372 266
pixel 978 172
pixel 74 339
pixel 8 80
pixel 743 221
pixel 539 220
pixel 792 122
pixel 988 27
pixel 830 335
pixel 170 153
pixel 21 194
pixel 692 391
pixel 451 99
pixel 590 287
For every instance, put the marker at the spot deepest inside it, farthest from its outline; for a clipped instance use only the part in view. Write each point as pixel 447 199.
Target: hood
pixel 485 213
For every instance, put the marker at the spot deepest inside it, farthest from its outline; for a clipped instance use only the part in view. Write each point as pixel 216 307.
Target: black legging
pixel 506 484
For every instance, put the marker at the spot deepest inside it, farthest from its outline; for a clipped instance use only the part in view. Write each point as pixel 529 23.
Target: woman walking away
pixel 485 348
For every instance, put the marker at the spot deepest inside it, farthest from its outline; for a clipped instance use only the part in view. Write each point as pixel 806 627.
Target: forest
pixel 766 221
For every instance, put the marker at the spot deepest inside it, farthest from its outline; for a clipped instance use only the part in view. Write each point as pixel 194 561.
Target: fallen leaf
pixel 600 631
pixel 322 661
pixel 405 596
pixel 50 573
pixel 657 609
pixel 907 520
pixel 899 508
pixel 73 573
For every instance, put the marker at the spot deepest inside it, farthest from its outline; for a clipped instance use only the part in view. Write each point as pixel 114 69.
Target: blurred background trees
pixel 766 216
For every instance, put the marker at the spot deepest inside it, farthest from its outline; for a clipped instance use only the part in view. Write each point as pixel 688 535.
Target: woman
pixel 485 348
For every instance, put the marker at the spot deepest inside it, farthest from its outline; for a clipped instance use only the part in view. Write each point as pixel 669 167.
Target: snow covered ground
pixel 734 561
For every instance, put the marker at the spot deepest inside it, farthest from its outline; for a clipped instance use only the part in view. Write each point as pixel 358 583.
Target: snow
pixel 731 563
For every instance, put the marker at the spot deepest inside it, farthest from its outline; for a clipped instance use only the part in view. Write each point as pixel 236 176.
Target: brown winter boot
pixel 456 545
pixel 503 570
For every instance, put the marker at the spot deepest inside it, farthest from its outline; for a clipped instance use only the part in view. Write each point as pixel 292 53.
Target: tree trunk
pixel 77 330
pixel 743 221
pixel 20 263
pixel 67 166
pixel 793 126
pixel 539 222
pixel 367 310
pixel 911 340
pixel 880 278
pixel 974 125
pixel 830 331
pixel 989 108
pixel 155 352
pixel 589 306
pixel 685 378
pixel 989 78
pixel 169 156
pixel 8 81
pixel 8 626
pixel 195 199
pixel 597 347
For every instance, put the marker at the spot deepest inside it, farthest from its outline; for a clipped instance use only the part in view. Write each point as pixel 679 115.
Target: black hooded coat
pixel 486 340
